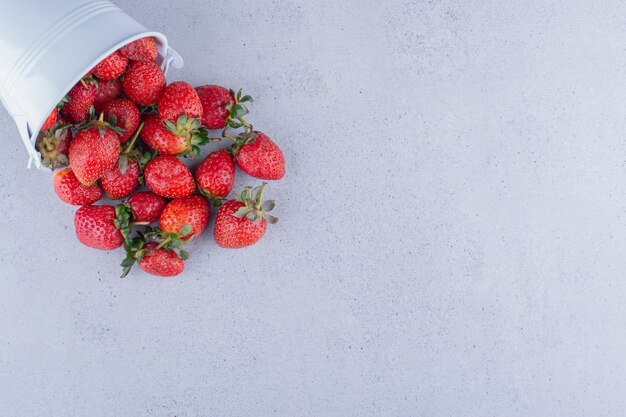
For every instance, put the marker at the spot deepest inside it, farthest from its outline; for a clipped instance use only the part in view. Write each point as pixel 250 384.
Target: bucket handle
pixel 24 131
pixel 172 58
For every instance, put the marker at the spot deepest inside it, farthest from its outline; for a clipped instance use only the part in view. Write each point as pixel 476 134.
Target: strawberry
pixel 124 177
pixel 95 227
pixel 94 151
pixel 146 207
pixel 257 155
pixel 144 49
pixel 72 191
pixel 159 253
pixel 180 111
pixel 192 210
pixel 177 99
pixel 217 104
pixel 50 120
pixel 81 97
pixel 242 222
pixel 118 184
pixel 144 82
pixel 107 90
pixel 157 137
pixel 161 262
pixel 111 67
pixel 216 175
pixel 54 144
pixel 125 116
pixel 169 177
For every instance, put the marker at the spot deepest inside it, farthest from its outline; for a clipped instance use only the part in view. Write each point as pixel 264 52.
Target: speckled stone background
pixel 452 235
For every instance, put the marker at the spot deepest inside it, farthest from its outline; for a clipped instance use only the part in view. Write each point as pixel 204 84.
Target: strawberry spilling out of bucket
pixel 133 152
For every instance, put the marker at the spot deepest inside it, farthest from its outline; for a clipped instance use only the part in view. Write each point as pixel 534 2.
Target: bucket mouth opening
pixel 162 47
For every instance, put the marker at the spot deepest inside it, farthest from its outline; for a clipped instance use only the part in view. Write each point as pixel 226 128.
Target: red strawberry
pixel 257 155
pixel 118 184
pixel 146 207
pixel 111 67
pixel 94 151
pixel 124 177
pixel 144 49
pixel 81 98
pixel 161 262
pixel 95 227
pixel 157 137
pixel 214 105
pixel 51 120
pixel 169 177
pixel 192 210
pixel 126 116
pixel 180 110
pixel 107 90
pixel 177 99
pixel 71 191
pixel 54 144
pixel 242 222
pixel 216 175
pixel 144 82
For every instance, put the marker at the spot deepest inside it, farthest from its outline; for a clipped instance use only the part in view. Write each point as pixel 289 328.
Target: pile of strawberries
pixel 122 128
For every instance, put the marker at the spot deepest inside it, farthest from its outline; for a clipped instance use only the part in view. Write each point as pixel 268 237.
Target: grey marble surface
pixel 451 238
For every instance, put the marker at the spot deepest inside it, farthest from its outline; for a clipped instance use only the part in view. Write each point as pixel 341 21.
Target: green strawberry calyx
pixel 255 209
pixel 237 110
pixel 47 144
pixel 215 200
pixel 244 138
pixel 98 123
pixel 192 130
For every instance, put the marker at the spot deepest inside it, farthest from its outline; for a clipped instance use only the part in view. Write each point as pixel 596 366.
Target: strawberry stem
pixel 230 137
pixel 132 141
pixel 165 242
pixel 83 83
pixel 140 223
pixel 246 124
pixel 257 203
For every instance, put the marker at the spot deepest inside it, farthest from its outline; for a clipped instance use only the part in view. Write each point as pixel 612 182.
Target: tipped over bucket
pixel 63 40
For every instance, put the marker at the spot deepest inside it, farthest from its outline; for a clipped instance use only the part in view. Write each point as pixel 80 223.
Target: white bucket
pixel 46 47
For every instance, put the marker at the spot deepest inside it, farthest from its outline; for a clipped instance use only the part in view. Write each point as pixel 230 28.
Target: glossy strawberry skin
pixel 118 185
pixel 193 210
pixel 216 174
pixel 144 82
pixel 95 227
pixel 144 49
pixel 81 99
pixel 261 158
pixel 72 191
pixel 91 155
pixel 160 139
pixel 107 90
pixel 177 99
pixel 214 99
pixel 111 67
pixel 50 120
pixel 168 177
pixel 127 115
pixel 233 232
pixel 146 206
pixel 161 262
